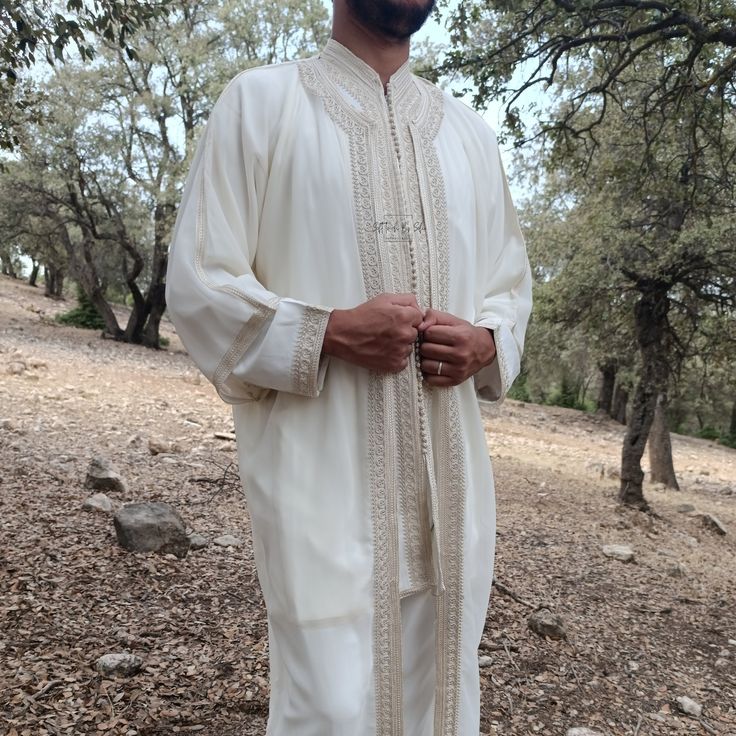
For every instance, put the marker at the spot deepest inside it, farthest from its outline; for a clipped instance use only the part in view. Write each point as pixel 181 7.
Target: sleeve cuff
pixel 493 382
pixel 287 355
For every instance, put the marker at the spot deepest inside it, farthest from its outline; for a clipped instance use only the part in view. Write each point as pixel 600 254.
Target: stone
pixel 714 524
pixel 685 508
pixel 124 664
pixel 689 706
pixel 162 447
pixel 677 570
pixel 16 368
pixel 227 540
pixel 485 661
pixel 621 552
pixel 101 476
pixel 198 541
pixel 582 731
pixel 151 527
pixel 546 623
pixel 98 502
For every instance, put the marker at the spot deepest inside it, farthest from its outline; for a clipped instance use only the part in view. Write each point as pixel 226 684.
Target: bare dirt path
pixel 640 634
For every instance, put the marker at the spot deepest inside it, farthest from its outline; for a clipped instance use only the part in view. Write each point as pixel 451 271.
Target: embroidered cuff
pixel 309 365
pixel 287 354
pixel 493 382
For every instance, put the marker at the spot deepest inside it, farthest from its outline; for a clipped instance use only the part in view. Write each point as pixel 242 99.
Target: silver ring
pixel 439 369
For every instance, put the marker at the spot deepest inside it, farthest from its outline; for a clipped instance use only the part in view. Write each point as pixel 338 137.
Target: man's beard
pixel 396 19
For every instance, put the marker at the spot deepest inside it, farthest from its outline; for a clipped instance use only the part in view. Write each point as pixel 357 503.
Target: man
pixel 348 270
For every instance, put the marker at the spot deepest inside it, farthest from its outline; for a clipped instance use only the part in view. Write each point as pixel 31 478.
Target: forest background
pixel 619 120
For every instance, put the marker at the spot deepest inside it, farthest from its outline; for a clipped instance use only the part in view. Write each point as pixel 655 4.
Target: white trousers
pixel 322 676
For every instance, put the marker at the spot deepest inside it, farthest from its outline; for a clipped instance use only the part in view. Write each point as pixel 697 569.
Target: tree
pixel 43 30
pixel 509 49
pixel 111 145
pixel 642 128
pixel 637 238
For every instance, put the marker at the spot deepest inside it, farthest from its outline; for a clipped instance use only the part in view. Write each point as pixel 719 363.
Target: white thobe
pixel 371 496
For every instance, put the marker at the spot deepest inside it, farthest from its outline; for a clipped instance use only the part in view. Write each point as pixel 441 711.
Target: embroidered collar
pixel 400 81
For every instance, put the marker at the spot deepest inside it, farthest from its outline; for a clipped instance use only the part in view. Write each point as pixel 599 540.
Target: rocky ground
pixel 639 635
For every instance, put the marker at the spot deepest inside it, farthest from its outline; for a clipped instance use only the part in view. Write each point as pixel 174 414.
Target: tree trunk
pixel 608 381
pixel 620 403
pixel 651 323
pixel 59 284
pixel 34 273
pixel 53 278
pixel 732 428
pixel 660 447
pixel 158 307
pixel 8 269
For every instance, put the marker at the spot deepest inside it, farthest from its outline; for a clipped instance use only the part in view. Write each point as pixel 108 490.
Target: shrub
pixel 84 315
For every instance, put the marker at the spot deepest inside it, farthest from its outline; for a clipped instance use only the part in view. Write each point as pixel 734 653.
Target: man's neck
pixel 383 54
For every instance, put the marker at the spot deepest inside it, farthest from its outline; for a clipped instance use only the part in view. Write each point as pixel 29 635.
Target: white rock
pixel 227 540
pixel 98 502
pixel 485 661
pixel 689 706
pixel 621 552
pixel 118 663
pixel 714 524
pixel 198 541
pixel 16 368
pixel 582 731
pixel 162 447
pixel 101 476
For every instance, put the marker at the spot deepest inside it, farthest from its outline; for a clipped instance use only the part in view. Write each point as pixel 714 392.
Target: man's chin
pixel 394 19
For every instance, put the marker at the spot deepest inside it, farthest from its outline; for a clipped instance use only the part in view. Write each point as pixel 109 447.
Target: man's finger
pixel 405 300
pixel 444 318
pixel 442 334
pixel 437 351
pixel 414 316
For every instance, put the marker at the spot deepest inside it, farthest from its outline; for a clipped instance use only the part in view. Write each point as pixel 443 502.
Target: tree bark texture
pixel 660 447
pixel 620 403
pixel 36 266
pixel 608 381
pixel 651 323
pixel 53 279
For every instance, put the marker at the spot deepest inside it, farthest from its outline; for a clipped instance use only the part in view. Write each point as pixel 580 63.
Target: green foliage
pixel 516 52
pixel 519 390
pixel 38 31
pixel 709 433
pixel 566 394
pixel 84 315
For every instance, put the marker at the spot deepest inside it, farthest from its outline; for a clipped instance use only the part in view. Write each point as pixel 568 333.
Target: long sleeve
pixel 243 337
pixel 507 291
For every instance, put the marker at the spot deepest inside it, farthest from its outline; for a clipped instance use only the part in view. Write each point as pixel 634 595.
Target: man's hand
pixel 378 335
pixel 463 348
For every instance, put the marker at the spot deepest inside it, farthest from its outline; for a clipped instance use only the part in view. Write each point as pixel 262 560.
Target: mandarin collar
pixel 400 81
